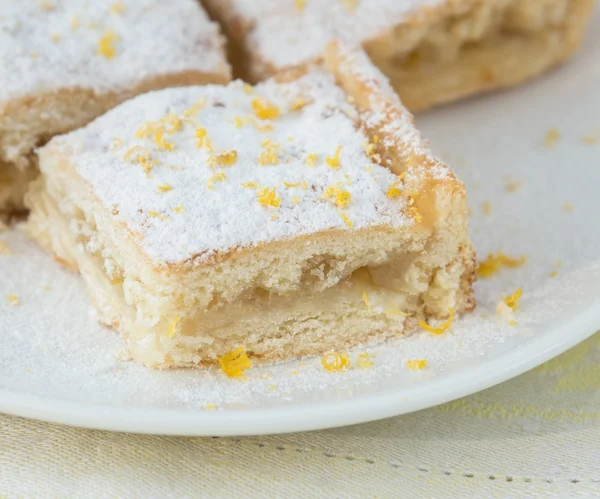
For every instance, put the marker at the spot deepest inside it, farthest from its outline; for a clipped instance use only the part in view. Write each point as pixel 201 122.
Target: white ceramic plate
pixel 57 365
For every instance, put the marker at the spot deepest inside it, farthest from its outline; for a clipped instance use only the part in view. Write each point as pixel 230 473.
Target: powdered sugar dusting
pixel 102 45
pixel 284 35
pixel 186 203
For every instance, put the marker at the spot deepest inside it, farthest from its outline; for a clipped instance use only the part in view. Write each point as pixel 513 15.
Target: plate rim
pixel 517 360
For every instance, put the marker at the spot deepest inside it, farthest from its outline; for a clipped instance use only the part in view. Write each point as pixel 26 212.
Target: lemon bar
pixel 300 215
pixel 433 51
pixel 65 62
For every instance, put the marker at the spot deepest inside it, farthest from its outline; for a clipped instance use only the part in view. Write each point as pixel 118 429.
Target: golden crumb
pixel 552 137
pixel 493 263
pixel 554 273
pixel 234 363
pixel 442 328
pixel 334 161
pixel 14 300
pixel 416 364
pixel 487 207
pixel 335 361
pixel 106 45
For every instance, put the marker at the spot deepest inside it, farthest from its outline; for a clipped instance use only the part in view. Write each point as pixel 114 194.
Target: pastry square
pixel 290 218
pixel 65 62
pixel 433 51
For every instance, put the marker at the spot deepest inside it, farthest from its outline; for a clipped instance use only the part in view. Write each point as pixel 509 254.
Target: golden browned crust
pixel 451 50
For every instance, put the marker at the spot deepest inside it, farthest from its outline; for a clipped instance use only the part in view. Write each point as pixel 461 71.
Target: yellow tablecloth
pixel 537 435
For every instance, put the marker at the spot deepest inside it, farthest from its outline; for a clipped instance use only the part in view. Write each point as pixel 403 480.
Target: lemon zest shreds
pixel 300 4
pixel 304 185
pixel 74 22
pixel 335 361
pixel 289 184
pixel 234 363
pixel 298 104
pixel 269 155
pixel 141 156
pixel 363 361
pixel 156 214
pixel 334 161
pixel 249 89
pixel 161 142
pixel 173 327
pixel 416 364
pixel 195 108
pixel 165 188
pixel 249 185
pixel 346 220
pixel 493 263
pixel 311 159
pixel 264 128
pixel 116 144
pixel 264 110
pixel 350 4
pixel 365 297
pixel 442 328
pixel 238 122
pixel 513 300
pixel 551 137
pixel 218 177
pixel 4 249
pixel 106 45
pixel 178 209
pixel 295 199
pixel 394 191
pixel 268 197
pixel 342 198
pixel 46 5
pixel 202 137
pixel 227 158
pixel 14 300
pixel 487 207
pixel 117 8
pixel 394 310
pixel 210 406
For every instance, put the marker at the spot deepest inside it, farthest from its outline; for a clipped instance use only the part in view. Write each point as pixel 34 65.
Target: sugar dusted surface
pixel 203 213
pixel 285 35
pixel 54 44
pixel 51 348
